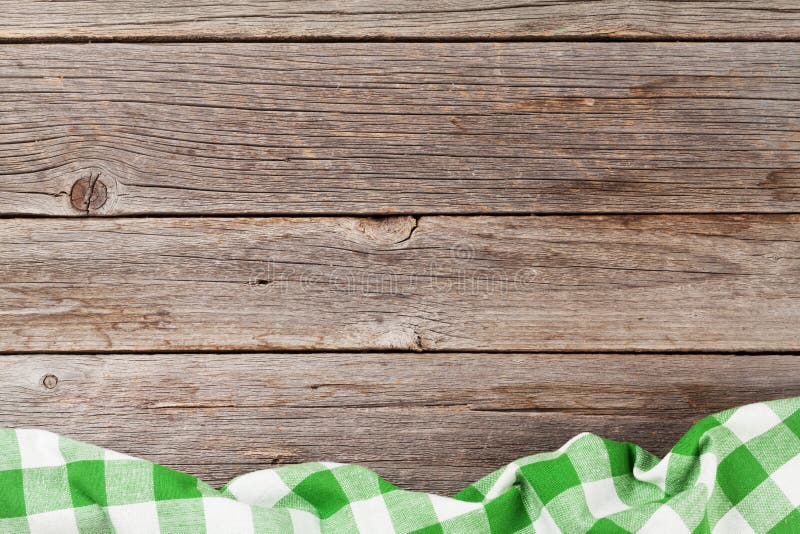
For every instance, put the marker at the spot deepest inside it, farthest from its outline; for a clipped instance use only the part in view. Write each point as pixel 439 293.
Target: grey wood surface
pixel 659 282
pixel 355 128
pixel 99 315
pixel 427 422
pixel 359 19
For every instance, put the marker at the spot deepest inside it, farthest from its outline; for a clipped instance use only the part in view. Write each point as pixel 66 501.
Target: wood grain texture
pixel 359 19
pixel 437 283
pixel 366 128
pixel 425 422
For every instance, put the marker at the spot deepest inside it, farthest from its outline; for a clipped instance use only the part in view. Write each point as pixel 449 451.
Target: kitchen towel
pixel 733 472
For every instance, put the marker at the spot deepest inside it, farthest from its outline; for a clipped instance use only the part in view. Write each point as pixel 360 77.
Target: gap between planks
pixel 431 351
pixel 167 39
pixel 352 19
pixel 373 215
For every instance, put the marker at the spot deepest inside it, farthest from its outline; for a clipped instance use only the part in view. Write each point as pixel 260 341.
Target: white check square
pixel 733 522
pixel 545 524
pixel 656 475
pixel 787 478
pixel 55 522
pixel 38 448
pixel 371 515
pixel 665 520
pixel 447 508
pixel 750 421
pixel 139 518
pixel 226 516
pixel 602 498
pixel 261 488
pixel 304 522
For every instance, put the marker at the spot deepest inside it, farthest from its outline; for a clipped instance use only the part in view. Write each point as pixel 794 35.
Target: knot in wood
pixel 50 381
pixel 88 193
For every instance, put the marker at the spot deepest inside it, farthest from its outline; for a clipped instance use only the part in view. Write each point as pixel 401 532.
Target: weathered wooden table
pixel 427 237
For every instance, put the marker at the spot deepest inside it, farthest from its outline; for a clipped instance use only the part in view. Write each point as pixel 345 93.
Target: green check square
pixel 129 482
pixel 550 478
pixel 764 506
pixel 12 502
pixel 46 489
pixel 769 456
pixel 430 529
pixel 182 515
pixel 169 485
pixel 702 527
pixel 323 491
pixel 9 450
pixel 75 451
pixel 267 521
pixel 783 408
pixel 474 521
pixel 507 513
pixel 636 493
pixel 87 482
pixel 621 457
pixel 685 504
pixel 583 453
pixel 14 525
pixel 295 474
pixel 410 510
pixel 385 487
pixel 739 474
pixel 789 524
pixel 689 444
pixel 340 521
pixel 357 483
pixel 681 473
pixel 606 526
pixel 470 494
pixel 793 423
pixel 92 520
pixel 484 485
pixel 570 510
pixel 634 522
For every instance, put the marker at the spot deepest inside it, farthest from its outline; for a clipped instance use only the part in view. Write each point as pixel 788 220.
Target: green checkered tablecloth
pixel 736 471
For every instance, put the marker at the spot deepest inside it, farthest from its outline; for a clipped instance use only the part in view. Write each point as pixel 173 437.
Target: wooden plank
pixel 426 423
pixel 285 19
pixel 346 128
pixel 678 283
